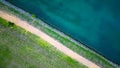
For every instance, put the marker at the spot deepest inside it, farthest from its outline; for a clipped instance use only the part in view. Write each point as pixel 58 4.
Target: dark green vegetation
pixel 63 39
pixel 21 49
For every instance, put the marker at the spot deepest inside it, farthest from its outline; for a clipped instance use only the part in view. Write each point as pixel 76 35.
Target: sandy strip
pixel 49 39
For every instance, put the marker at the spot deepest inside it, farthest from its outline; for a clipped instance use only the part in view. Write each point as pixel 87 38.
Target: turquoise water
pixel 94 23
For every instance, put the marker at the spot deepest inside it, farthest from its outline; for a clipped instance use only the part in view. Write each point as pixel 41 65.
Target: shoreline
pixel 47 26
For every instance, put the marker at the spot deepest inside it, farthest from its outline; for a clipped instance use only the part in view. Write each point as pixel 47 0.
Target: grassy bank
pixel 21 49
pixel 99 60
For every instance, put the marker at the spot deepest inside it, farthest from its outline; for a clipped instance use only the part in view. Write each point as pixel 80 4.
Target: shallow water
pixel 95 23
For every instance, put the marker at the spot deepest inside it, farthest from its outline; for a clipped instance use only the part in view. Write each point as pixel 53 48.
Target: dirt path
pixel 47 38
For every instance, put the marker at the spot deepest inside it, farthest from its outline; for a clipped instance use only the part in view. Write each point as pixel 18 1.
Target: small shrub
pixel 33 16
pixel 10 24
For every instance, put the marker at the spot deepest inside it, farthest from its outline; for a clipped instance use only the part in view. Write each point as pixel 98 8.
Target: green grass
pixel 64 40
pixel 21 49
